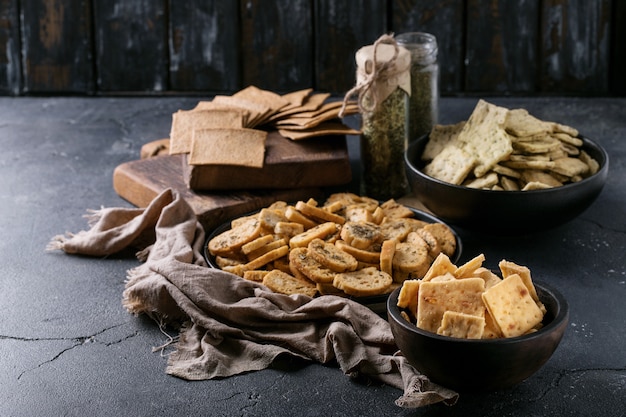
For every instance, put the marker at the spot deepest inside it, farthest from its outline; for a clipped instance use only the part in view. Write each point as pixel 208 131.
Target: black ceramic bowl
pixel 377 303
pixel 504 212
pixel 480 365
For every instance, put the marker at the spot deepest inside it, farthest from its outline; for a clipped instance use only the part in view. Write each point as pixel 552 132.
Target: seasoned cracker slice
pixel 396 229
pixel 434 246
pixel 412 257
pixel 331 256
pixel 512 307
pixel 461 325
pixel 267 257
pixel 395 210
pixel 255 275
pixel 368 255
pixel 295 216
pixel 283 283
pixel 387 252
pixel 364 282
pixel 444 236
pixel 318 213
pixel 435 298
pixel 256 243
pixel 301 262
pixel 320 231
pixel 451 165
pixel 287 230
pixel 262 250
pixel 360 235
pixel 235 238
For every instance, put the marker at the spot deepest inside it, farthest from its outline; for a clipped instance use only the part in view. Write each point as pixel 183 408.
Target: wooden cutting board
pixel 316 162
pixel 140 181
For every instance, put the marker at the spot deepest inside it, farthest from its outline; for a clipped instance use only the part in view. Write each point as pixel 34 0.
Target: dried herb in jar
pixel 424 102
pixel 383 87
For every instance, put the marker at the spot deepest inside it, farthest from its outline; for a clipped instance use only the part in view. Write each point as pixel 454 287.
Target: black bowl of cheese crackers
pixel 348 245
pixel 506 172
pixel 471 328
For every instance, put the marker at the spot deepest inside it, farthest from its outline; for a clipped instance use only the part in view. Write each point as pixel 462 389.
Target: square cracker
pixel 435 298
pixel 520 123
pixel 461 325
pixel 512 307
pixel 440 136
pixel 485 138
pixel 451 165
pixel 242 147
pixel 184 122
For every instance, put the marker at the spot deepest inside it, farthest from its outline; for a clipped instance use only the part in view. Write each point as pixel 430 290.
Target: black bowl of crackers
pixel 348 245
pixel 505 172
pixel 470 328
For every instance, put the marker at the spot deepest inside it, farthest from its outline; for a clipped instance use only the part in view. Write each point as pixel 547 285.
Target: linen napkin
pixel 229 325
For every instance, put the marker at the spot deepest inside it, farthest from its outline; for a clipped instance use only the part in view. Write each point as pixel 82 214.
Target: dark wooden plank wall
pixel 523 47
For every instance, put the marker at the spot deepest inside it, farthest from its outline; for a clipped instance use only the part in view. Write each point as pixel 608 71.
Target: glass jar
pixel 424 103
pixel 383 72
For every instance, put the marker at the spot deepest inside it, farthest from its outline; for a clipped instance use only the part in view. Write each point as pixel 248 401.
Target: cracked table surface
pixel 68 347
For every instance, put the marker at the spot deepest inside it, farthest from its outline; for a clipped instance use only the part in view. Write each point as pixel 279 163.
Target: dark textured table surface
pixel 67 347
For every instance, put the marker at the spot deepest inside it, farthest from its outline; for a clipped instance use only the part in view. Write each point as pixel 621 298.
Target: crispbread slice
pixel 451 165
pixel 435 298
pixel 512 307
pixel 281 282
pixel 241 147
pixel 364 282
pixel 185 122
pixel 461 325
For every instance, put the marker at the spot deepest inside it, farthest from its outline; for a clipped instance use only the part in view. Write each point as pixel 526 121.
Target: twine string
pixel 373 71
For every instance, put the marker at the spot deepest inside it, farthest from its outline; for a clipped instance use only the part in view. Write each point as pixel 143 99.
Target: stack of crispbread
pixel 232 131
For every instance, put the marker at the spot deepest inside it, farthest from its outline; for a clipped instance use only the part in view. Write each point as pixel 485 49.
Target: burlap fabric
pixel 229 325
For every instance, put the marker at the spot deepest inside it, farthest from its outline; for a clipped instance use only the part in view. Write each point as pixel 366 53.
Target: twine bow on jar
pixel 381 68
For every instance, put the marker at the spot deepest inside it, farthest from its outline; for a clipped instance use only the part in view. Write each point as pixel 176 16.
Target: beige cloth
pixel 231 325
